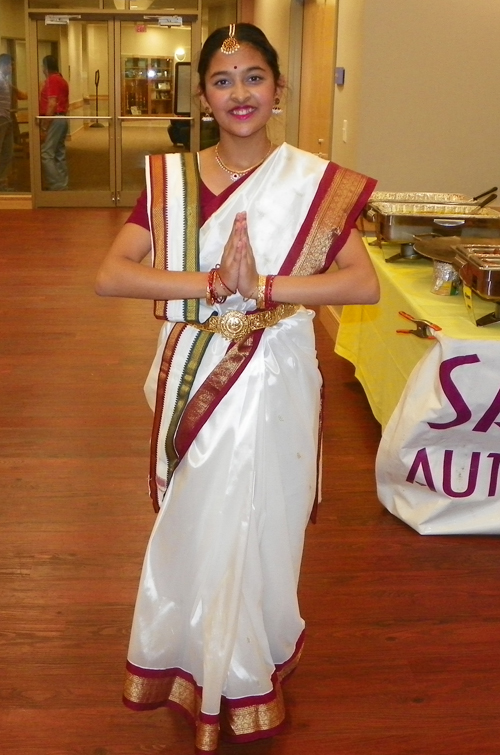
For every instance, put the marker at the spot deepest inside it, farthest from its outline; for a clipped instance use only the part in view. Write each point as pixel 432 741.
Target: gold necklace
pixel 235 174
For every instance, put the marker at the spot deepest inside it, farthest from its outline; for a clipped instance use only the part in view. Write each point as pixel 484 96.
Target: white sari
pixel 217 624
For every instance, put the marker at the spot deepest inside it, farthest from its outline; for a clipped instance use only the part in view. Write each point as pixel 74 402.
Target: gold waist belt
pixel 236 326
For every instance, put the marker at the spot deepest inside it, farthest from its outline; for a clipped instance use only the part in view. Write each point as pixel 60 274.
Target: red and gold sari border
pixel 352 216
pixel 240 720
pixel 284 670
pixel 212 391
pixel 355 191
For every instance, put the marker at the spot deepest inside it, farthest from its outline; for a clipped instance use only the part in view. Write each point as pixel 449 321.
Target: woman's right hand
pixel 248 279
pixel 229 269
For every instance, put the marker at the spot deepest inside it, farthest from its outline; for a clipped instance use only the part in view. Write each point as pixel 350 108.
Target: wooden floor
pixel 402 653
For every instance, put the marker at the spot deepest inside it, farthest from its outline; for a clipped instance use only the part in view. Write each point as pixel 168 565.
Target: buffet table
pixel 384 359
pixel 438 401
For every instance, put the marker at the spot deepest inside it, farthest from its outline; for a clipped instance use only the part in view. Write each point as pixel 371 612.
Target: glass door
pixel 154 98
pixel 109 90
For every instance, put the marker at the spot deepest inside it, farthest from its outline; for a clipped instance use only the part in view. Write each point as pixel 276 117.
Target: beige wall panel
pixel 345 130
pixel 430 110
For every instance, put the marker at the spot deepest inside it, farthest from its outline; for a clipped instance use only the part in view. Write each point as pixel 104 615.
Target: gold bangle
pixel 260 298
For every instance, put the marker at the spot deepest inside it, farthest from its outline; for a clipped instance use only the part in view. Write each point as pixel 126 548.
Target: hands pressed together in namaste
pixel 237 266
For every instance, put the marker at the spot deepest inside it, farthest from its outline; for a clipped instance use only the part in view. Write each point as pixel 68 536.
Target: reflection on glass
pixel 140 139
pixel 87 156
pixel 148 66
pixel 80 46
pixel 149 71
pixel 14 144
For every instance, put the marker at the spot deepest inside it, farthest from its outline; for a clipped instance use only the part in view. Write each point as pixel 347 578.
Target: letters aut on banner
pixel 438 464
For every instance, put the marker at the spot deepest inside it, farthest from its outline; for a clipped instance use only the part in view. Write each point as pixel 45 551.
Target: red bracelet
pixel 212 296
pixel 268 292
pixel 221 281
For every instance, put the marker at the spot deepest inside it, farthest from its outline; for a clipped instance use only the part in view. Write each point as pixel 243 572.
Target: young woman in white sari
pixel 242 235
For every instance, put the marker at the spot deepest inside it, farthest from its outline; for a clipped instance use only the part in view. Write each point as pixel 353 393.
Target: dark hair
pixel 244 33
pixel 51 64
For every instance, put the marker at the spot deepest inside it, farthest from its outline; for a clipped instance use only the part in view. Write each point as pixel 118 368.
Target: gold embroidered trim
pixel 210 391
pixel 238 722
pixel 207 736
pixel 330 219
pixel 233 721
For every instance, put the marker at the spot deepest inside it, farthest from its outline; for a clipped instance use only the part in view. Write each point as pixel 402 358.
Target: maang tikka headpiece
pixel 230 44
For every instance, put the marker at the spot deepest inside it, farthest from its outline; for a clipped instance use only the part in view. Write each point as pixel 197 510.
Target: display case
pixel 147 86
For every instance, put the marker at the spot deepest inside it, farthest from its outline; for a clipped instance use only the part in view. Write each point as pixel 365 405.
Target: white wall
pixel 429 112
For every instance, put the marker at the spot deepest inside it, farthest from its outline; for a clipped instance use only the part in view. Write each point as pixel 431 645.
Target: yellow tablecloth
pixel 367 335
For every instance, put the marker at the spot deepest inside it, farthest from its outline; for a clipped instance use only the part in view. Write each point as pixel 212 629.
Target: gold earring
pixel 277 110
pixel 207 116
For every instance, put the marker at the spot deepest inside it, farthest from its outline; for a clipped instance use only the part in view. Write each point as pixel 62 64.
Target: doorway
pixel 130 94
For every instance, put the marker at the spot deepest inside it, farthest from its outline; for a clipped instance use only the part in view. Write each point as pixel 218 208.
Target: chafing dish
pixel 400 222
pixel 444 248
pixel 479 268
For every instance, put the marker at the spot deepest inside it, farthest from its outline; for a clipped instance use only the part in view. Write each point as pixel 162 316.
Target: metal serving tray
pixel 480 269
pixel 417 196
pixel 400 222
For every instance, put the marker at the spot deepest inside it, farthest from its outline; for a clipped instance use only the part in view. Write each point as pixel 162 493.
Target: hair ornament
pixel 230 44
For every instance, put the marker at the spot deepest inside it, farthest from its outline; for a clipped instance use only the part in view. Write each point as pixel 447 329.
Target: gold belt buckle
pixel 234 325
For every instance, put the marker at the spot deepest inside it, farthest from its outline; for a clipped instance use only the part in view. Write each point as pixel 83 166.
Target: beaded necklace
pixel 235 174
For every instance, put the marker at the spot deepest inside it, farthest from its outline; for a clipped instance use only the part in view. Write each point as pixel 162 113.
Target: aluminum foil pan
pixel 427 209
pixel 418 196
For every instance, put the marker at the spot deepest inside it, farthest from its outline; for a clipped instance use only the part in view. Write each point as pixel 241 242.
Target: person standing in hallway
pixel 54 100
pixel 6 130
